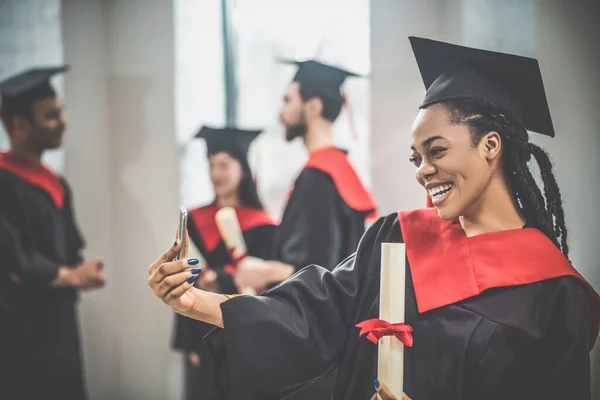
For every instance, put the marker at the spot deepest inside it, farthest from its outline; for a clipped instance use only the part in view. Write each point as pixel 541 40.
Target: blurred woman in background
pixel 234 186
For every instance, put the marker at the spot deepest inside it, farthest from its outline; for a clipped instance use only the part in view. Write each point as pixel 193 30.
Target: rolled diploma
pixel 390 367
pixel 229 228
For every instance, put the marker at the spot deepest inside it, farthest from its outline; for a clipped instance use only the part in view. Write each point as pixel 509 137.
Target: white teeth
pixel 439 191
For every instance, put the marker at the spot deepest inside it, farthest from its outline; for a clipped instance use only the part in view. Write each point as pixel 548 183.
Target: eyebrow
pixel 428 141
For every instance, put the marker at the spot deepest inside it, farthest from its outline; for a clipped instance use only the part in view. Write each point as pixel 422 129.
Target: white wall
pixel 562 35
pixel 397 90
pixel 567 46
pixel 30 35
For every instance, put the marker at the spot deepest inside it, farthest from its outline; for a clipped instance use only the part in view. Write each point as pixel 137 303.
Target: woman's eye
pixel 415 160
pixel 437 151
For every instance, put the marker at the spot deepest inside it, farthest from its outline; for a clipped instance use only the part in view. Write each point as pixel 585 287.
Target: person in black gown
pixel 328 206
pixel 497 309
pixel 231 177
pixel 41 264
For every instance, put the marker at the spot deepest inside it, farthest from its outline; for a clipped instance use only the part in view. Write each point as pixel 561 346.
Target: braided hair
pixel 543 210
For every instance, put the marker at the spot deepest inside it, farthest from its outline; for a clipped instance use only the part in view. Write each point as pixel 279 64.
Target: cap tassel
pixel 348 107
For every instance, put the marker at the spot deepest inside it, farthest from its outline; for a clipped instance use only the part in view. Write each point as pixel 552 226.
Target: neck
pixel 228 201
pixel 496 210
pixel 319 135
pixel 26 154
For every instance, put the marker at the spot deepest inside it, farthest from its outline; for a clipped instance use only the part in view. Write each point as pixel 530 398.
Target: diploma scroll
pixel 390 368
pixel 229 228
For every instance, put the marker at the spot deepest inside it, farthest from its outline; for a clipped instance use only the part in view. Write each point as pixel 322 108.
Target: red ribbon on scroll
pixel 230 269
pixel 377 328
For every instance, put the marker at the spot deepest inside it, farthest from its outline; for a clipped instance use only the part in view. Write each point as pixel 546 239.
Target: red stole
pixel 204 220
pixel 447 266
pixel 35 174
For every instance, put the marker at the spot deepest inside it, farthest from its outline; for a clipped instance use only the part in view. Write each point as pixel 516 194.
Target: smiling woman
pixel 497 310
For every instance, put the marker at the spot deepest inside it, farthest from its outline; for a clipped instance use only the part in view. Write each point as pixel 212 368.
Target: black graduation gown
pixel 40 344
pixel 519 342
pixel 324 218
pixel 188 334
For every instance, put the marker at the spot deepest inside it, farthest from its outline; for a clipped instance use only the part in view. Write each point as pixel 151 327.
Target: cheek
pixel 472 180
pixel 292 113
pixel 48 124
pixel 236 177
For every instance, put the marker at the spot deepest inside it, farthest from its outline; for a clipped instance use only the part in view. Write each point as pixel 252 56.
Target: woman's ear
pixel 491 144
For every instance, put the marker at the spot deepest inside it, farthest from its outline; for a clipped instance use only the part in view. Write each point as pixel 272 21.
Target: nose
pixel 62 121
pixel 425 171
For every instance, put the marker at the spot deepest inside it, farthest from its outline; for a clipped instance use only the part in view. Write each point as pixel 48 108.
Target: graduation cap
pixel 18 91
pixel 318 79
pixel 230 140
pixel 512 82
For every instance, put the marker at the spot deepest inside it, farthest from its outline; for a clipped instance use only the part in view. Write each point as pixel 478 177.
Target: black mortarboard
pixel 230 140
pixel 21 89
pixel 318 79
pixel 512 82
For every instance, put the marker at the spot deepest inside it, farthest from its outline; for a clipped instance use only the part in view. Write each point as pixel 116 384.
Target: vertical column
pixel 88 169
pixel 145 185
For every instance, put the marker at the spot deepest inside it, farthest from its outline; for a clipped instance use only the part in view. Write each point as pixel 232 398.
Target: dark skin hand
pixel 383 393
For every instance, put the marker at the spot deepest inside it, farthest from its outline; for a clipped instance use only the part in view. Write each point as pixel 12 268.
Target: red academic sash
pixel 204 220
pixel 35 174
pixel 334 162
pixel 447 266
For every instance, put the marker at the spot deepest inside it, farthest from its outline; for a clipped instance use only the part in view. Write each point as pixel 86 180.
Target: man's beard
pixel 297 130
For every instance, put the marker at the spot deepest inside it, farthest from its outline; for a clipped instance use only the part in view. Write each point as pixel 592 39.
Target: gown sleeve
pixel 313 233
pixel 75 240
pixel 305 319
pixel 22 257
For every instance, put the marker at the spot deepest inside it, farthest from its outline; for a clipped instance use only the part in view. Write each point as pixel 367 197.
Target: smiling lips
pixel 439 193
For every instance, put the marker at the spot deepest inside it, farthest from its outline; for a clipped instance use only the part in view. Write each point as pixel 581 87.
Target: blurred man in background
pixel 328 207
pixel 41 267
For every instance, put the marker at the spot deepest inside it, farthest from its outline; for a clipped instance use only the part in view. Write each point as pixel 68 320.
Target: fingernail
pixel 376 383
pixel 196 271
pixel 193 261
pixel 175 244
pixel 192 279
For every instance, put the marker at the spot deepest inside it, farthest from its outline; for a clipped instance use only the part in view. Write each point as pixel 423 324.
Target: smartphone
pixel 183 217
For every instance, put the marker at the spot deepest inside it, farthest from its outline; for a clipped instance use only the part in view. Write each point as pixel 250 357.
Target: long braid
pixel 553 196
pixel 545 209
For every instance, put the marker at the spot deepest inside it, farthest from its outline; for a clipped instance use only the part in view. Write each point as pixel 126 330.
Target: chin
pixel 54 145
pixel 290 136
pixel 295 131
pixel 447 212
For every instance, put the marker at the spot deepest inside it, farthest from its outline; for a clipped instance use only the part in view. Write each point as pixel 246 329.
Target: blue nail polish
pixel 193 261
pixel 196 271
pixel 376 383
pixel 175 244
pixel 192 279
